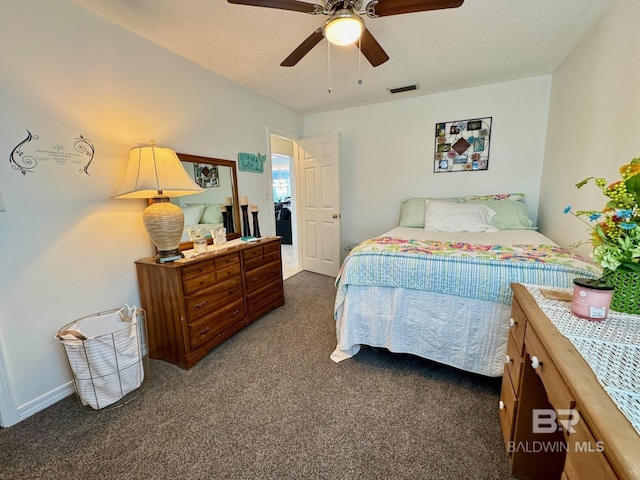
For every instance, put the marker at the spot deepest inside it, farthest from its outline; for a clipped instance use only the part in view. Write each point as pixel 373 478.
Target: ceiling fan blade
pixel 371 49
pixel 294 5
pixel 304 48
pixel 384 8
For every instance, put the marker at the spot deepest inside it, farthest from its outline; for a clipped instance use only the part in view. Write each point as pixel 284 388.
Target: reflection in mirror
pixel 217 206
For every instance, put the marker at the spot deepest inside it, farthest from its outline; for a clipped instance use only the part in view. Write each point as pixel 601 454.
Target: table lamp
pixel 156 173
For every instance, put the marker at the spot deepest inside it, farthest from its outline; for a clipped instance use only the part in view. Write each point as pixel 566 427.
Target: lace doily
pixel 611 348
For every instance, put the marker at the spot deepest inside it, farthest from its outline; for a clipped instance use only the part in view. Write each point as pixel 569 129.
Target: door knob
pixel 337 215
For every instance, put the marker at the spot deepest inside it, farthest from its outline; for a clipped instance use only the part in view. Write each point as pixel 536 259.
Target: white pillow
pixel 457 217
pixel 192 214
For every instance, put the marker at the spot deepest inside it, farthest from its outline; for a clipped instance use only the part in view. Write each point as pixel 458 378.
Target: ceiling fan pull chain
pixel 329 64
pixel 359 60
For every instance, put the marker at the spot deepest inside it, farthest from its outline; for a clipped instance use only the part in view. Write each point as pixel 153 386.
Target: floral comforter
pixel 470 270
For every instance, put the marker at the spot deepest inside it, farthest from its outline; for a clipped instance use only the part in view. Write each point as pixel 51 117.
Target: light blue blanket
pixel 470 270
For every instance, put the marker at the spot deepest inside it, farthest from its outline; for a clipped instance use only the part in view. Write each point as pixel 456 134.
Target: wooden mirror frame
pixel 186 157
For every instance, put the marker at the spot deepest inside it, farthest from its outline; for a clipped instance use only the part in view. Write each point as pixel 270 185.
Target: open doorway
pixel 284 200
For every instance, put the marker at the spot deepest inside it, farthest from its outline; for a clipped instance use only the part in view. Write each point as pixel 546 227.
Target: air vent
pixel 406 88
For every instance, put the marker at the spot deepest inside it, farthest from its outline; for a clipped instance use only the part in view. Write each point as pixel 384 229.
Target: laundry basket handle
pixel 73 333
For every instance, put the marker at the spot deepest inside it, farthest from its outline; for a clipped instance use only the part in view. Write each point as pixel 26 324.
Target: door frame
pixel 8 410
pixel 271 130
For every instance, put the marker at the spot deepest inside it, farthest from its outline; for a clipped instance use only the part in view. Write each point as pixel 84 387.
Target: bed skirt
pixel 461 332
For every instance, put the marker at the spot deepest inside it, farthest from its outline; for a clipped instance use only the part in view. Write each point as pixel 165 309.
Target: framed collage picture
pixel 462 145
pixel 206 175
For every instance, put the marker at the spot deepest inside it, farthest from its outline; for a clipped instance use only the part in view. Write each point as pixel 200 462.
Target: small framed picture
pixel 474 125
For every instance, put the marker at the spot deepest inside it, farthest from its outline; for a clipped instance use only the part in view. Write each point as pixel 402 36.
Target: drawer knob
pixel 507 359
pixel 535 362
pixel 512 323
pixel 501 405
pixel 201 304
pixel 205 330
pixel 232 291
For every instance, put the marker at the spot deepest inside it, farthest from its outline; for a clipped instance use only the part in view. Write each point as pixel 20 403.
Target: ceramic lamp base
pixel 164 222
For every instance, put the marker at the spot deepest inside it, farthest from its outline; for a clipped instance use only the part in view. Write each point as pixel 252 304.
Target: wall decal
pixel 21 162
pixel 84 145
pixel 250 162
pixel 56 153
pixel 462 146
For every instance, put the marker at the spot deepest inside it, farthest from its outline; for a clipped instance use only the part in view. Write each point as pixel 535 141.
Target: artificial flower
pixel 616 228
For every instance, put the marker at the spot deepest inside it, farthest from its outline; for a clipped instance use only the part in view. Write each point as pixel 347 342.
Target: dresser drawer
pixel 196 269
pixel 227 260
pixel 253 257
pixel 253 263
pixel 272 257
pixel 260 277
pixel 197 277
pixel 517 324
pixel 225 273
pixel 557 391
pixel 251 253
pixel 258 300
pixel 206 301
pixel 271 247
pixel 208 327
pixel 513 363
pixel 585 457
pixel 507 410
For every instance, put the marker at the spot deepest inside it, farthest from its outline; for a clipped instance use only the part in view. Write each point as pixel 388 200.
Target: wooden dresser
pixel 546 384
pixel 195 304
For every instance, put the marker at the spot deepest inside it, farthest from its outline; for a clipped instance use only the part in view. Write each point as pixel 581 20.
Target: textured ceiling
pixel 481 42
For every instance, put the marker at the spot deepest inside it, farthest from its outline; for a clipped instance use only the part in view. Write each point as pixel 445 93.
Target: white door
pixel 318 162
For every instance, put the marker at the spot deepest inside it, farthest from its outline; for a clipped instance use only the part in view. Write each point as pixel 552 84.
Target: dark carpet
pixel 270 404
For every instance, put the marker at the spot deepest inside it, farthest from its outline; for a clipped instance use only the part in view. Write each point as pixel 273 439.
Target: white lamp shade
pixel 153 170
pixel 343 28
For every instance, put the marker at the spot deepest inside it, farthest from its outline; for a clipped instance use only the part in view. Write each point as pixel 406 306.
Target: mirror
pixel 219 179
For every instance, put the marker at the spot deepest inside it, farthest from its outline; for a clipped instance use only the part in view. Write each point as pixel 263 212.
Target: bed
pixel 445 295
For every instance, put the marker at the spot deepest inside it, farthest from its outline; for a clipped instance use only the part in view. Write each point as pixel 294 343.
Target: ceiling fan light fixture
pixel 343 28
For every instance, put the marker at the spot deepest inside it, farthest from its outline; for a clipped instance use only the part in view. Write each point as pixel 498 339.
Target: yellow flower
pixel 631 168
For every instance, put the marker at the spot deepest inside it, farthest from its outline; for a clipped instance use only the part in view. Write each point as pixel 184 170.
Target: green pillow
pixel 510 214
pixel 212 213
pixel 413 210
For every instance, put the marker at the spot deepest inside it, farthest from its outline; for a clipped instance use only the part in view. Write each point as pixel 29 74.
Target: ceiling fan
pixel 345 24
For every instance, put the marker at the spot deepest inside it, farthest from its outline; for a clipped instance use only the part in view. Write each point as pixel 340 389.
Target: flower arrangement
pixel 616 228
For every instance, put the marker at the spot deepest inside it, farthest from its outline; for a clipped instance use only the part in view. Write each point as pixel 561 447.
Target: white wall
pixel 387 150
pixel 593 121
pixel 68 247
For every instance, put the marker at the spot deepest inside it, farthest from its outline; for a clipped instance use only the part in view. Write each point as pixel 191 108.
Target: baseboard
pixel 44 401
